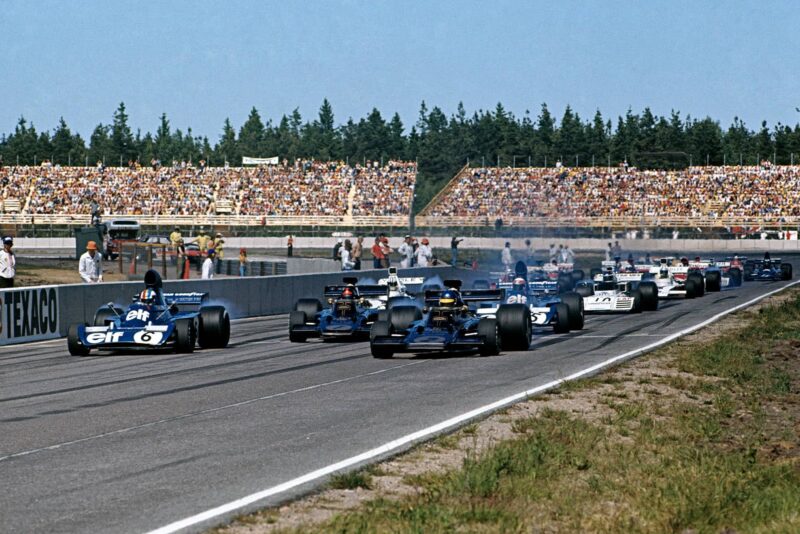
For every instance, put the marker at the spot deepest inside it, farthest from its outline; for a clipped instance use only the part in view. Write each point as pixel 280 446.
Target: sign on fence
pixel 28 314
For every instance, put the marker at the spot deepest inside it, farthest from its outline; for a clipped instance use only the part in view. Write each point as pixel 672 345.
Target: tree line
pixel 441 144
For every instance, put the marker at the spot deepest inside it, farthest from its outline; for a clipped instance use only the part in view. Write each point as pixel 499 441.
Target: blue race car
pixel 767 269
pixel 353 309
pixel 448 324
pixel 153 322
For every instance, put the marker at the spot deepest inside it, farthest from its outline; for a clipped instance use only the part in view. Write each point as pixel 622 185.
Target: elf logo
pixel 103 337
pixel 140 315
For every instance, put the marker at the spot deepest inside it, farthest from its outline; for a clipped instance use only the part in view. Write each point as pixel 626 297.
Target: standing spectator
pixel 609 253
pixel 208 265
pixel 560 252
pixel 90 266
pixel 530 253
pixel 567 256
pixel 406 251
pixel 552 252
pixel 454 251
pixel 289 246
pixel 217 245
pixel 202 240
pixel 377 254
pixel 505 256
pixel 180 258
pixel 8 263
pixel 346 250
pixel 358 249
pixel 424 253
pixel 616 252
pixel 174 237
pixel 386 249
pixel 94 207
pixel 337 254
pixel 242 262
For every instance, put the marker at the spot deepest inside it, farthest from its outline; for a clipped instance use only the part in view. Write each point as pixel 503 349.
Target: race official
pixel 90 265
pixel 208 265
pixel 358 249
pixel 218 246
pixel 406 250
pixel 505 256
pixel 8 263
pixel 424 253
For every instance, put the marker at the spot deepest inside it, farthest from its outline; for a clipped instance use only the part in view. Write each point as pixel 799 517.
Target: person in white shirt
pixel 406 250
pixel 345 254
pixel 208 265
pixel 8 263
pixel 90 265
pixel 552 253
pixel 424 253
pixel 505 256
pixel 567 256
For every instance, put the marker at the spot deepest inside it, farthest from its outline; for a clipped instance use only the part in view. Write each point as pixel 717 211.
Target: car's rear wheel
pixel 691 288
pixel 76 348
pixel 735 275
pixel 380 328
pixel 713 281
pixel 185 336
pixel 215 327
pixel 297 318
pixel 574 303
pixel 514 321
pixel 489 330
pixel 700 284
pixel 577 276
pixel 401 317
pixel 561 325
pixel 585 290
pixel 565 282
pixel 480 284
pixel 105 313
pixel 786 271
pixel 649 295
pixel 308 306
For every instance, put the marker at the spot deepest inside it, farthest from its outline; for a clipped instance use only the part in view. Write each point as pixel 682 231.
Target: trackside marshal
pixel 28 314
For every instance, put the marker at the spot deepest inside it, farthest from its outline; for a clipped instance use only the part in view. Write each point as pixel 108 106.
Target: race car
pixel 767 269
pixel 564 274
pixel 613 292
pixel 547 306
pixel 353 308
pixel 449 324
pixel 153 321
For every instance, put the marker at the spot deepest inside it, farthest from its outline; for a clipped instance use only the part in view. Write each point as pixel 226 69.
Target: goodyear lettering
pixel 29 314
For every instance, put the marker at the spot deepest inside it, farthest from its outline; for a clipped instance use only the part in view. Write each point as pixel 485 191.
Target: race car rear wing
pixel 467 295
pixel 186 299
pixel 540 286
pixel 408 281
pixel 372 290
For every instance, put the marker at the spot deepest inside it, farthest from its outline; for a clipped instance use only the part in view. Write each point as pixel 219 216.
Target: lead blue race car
pixel 153 321
pixel 768 269
pixel 449 324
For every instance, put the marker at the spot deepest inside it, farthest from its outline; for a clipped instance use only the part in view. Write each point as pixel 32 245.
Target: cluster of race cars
pixel 494 315
pixel 502 314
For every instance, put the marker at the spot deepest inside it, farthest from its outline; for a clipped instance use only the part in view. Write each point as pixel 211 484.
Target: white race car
pixel 618 293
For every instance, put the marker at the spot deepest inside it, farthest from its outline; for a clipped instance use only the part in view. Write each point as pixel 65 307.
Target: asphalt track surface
pixel 131 443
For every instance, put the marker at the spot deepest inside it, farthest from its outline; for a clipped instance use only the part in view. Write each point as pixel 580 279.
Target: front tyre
pixel 215 327
pixel 382 329
pixel 76 348
pixel 489 330
pixel 514 322
pixel 296 318
pixel 574 304
pixel 561 324
pixel 185 336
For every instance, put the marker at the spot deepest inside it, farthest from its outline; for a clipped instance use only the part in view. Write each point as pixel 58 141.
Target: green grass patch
pixel 351 480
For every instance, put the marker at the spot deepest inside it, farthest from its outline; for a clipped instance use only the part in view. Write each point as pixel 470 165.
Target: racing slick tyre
pixel 185 336
pixel 637 301
pixel 215 327
pixel 699 283
pixel 561 325
pixel 713 281
pixel 577 276
pixel 297 318
pixel 76 348
pixel 575 304
pixel 102 314
pixel 748 271
pixel 585 290
pixel 401 317
pixel 649 294
pixel 308 306
pixel 691 288
pixel 394 302
pixel 735 274
pixel 480 284
pixel 594 272
pixel 380 328
pixel 489 330
pixel 786 271
pixel 514 321
pixel 565 282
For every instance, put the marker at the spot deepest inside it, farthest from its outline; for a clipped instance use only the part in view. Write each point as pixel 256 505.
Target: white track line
pixel 396 444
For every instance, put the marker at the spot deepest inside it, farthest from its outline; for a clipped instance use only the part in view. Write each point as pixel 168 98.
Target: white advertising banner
pixel 260 161
pixel 28 314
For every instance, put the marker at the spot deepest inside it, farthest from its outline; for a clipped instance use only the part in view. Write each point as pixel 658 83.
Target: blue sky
pixel 201 62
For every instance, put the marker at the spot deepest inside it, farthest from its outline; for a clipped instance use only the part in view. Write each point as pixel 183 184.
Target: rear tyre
pixel 565 282
pixel 585 290
pixel 215 327
pixel 394 302
pixel 691 288
pixel 748 271
pixel 489 330
pixel 480 284
pixel 735 275
pixel 104 314
pixel 577 276
pixel 514 321
pixel 401 317
pixel 637 301
pixel 699 283
pixel 713 281
pixel 786 271
pixel 380 328
pixel 185 336
pixel 297 318
pixel 76 348
pixel 561 325
pixel 649 294
pixel 574 304
pixel 308 306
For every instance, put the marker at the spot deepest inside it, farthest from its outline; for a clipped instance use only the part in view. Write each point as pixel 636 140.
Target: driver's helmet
pixel 148 296
pixel 450 298
pixel 349 292
pixel 663 273
pixel 519 284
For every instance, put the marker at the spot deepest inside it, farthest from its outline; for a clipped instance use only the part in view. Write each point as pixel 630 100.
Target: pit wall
pixel 46 312
pixel 233 244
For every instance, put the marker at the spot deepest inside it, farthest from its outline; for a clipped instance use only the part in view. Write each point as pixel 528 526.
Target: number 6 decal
pixel 147 338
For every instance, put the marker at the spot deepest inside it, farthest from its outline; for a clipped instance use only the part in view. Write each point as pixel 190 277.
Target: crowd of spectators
pixel 304 188
pixel 759 191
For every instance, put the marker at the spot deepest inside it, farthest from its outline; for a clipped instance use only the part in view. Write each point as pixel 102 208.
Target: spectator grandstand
pixel 710 194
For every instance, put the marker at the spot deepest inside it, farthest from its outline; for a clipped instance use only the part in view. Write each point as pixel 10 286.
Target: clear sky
pixel 202 61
